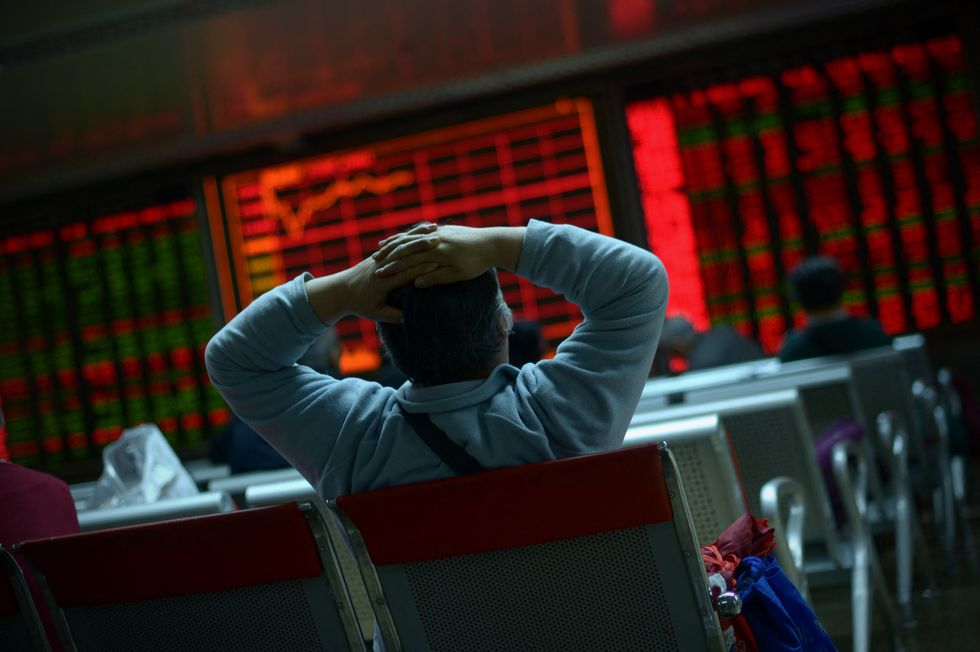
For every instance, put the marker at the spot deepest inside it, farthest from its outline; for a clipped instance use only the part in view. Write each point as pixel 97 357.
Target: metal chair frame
pixel 202 504
pixel 784 505
pixel 299 491
pixel 867 577
pixel 26 610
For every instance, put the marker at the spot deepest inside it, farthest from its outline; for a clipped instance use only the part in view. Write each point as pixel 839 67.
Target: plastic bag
pixel 140 467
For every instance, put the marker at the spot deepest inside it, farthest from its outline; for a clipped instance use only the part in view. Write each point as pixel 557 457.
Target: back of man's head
pixel 450 332
pixel 817 283
pixel 677 335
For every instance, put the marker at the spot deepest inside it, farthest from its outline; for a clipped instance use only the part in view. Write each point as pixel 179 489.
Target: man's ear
pixel 503 327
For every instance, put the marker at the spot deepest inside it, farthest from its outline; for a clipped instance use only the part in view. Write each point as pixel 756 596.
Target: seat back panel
pixel 239 619
pixel 601 591
pixel 253 579
pixel 14 634
pixel 513 507
pixel 193 555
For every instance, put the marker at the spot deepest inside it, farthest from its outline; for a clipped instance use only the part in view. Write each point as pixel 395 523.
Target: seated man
pixel 715 347
pixel 818 284
pixel 444 321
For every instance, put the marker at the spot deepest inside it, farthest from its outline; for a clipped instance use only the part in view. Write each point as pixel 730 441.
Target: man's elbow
pixel 215 358
pixel 655 283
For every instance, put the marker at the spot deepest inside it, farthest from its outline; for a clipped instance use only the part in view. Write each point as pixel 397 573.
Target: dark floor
pixel 949 621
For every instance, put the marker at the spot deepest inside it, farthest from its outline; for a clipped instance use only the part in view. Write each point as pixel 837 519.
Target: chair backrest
pixel 827 391
pixel 277 493
pixel 658 392
pixel 594 552
pixel 705 456
pixel 915 355
pixel 254 579
pixel 20 625
pixel 883 385
pixel 772 437
pixel 236 485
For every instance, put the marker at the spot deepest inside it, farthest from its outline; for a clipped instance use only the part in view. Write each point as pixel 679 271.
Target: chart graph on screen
pixel 324 214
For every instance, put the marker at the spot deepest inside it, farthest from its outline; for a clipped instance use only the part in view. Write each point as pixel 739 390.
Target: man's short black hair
pixel 525 343
pixel 450 332
pixel 817 283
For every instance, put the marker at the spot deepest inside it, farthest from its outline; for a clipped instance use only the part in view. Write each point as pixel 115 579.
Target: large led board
pixel 324 214
pixel 105 322
pixel 873 158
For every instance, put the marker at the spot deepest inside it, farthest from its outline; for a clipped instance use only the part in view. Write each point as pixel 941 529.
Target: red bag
pixel 746 537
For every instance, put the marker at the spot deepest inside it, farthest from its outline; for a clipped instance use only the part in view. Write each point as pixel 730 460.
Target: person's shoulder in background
pixel 871 332
pixel 796 346
pixel 33 504
pixel 722 345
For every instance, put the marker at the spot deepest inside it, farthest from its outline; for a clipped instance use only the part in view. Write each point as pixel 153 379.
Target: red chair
pixel 589 553
pixel 261 579
pixel 20 626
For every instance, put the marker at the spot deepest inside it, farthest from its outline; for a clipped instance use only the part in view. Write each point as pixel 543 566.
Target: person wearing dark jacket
pixel 715 347
pixel 818 284
pixel 33 505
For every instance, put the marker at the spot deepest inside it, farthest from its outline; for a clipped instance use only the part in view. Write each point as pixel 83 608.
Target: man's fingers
pixel 439 276
pixel 415 271
pixel 403 272
pixel 388 247
pixel 393 267
pixel 401 247
pixel 412 247
pixel 389 314
pixel 426 227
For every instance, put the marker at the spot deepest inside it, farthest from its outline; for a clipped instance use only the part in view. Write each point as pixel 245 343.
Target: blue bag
pixel 779 617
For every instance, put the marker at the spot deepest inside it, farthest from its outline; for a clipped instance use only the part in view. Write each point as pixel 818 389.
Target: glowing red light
pixel 665 205
pixel 857 125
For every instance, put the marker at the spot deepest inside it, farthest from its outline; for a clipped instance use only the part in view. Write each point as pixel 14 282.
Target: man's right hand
pixel 461 252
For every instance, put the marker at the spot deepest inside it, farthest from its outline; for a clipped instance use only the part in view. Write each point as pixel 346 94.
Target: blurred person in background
pixel 817 284
pixel 34 505
pixel 682 347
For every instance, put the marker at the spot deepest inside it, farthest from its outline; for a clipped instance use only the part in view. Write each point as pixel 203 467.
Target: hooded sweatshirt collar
pixel 453 396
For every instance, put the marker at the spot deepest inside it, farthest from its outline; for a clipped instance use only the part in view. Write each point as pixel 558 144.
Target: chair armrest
pixel 784 496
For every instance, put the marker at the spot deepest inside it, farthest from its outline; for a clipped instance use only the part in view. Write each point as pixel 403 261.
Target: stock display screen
pixel 112 315
pixel 327 213
pixel 872 158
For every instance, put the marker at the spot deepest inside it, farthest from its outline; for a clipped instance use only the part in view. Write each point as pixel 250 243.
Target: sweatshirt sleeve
pixel 586 395
pixel 305 415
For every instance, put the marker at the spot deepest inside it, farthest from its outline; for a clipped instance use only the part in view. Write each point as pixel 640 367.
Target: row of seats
pixel 595 552
pixel 743 438
pixel 777 415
